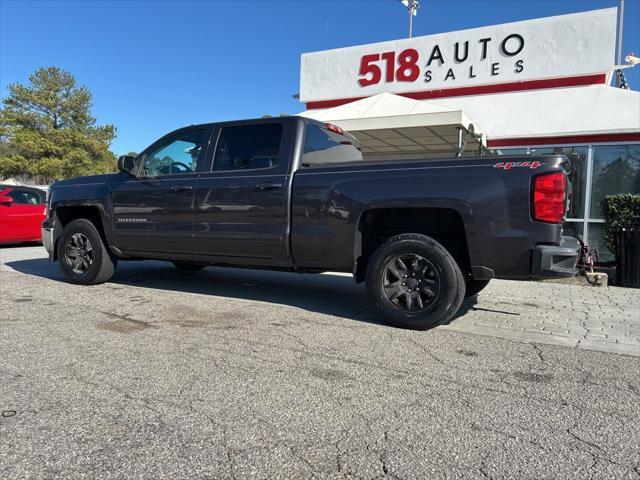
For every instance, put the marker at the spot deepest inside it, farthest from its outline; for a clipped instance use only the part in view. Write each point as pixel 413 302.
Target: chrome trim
pixel 47 239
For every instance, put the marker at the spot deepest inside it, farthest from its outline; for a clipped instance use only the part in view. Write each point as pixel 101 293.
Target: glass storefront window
pixel 596 240
pixel 573 229
pixel 578 176
pixel 616 169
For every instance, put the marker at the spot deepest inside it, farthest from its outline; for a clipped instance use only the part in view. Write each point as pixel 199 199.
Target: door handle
pixel 181 188
pixel 268 186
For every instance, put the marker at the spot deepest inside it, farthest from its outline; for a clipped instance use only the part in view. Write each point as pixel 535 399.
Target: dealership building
pixel 531 87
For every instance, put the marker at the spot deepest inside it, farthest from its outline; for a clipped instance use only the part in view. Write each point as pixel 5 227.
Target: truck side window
pixel 247 147
pixel 322 146
pixel 179 154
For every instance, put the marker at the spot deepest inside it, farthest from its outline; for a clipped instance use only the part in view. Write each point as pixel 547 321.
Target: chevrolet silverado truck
pixel 295 194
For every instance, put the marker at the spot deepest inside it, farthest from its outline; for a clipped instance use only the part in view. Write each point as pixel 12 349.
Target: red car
pixel 21 214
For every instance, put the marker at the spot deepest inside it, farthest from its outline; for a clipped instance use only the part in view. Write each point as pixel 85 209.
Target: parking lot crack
pixel 382 457
pixel 600 453
pixel 432 355
pixel 314 472
pixel 339 465
pixel 538 351
pixel 227 450
pixel 510 435
pixel 295 337
pixel 483 470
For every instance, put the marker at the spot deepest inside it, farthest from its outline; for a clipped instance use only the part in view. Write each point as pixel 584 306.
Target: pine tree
pixel 47 130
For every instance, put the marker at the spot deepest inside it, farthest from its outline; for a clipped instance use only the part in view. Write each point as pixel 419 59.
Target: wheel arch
pixel 63 215
pixel 443 224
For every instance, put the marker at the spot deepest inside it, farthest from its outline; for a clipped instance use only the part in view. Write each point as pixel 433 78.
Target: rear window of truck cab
pixel 323 146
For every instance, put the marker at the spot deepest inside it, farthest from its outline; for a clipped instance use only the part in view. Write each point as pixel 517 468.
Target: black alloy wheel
pixel 414 281
pixel 83 254
pixel 78 253
pixel 411 282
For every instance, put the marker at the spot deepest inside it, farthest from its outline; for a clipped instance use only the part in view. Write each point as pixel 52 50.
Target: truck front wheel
pixel 415 282
pixel 83 256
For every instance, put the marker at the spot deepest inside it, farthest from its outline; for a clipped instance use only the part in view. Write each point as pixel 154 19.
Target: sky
pixel 154 66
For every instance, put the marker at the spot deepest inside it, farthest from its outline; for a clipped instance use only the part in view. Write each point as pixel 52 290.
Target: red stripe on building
pixel 599 78
pixel 568 140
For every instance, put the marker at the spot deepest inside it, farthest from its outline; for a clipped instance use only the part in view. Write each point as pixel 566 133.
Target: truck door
pixel 153 211
pixel 241 201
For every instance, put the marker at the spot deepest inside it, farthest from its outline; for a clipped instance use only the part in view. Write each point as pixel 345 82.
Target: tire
pixel 188 267
pixel 92 263
pixel 474 287
pixel 435 282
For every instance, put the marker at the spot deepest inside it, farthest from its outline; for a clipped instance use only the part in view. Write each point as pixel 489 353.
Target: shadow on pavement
pixel 327 293
pixel 39 267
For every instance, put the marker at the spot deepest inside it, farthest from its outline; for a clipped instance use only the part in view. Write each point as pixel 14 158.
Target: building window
pixel 573 228
pixel 616 169
pixel 596 240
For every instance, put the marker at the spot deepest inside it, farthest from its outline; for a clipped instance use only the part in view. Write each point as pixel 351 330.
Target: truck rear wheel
pixel 83 256
pixel 415 282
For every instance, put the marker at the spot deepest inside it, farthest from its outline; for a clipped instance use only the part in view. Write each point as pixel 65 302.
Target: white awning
pixel 390 125
pixel 573 111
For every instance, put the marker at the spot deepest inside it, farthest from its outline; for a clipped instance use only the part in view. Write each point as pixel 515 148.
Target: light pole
pixel 412 7
pixel 620 30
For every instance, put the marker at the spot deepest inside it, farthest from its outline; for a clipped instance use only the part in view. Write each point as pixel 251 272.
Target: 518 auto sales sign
pixel 564 46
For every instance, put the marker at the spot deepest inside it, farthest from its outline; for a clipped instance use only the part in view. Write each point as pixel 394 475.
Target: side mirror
pixel 6 200
pixel 127 164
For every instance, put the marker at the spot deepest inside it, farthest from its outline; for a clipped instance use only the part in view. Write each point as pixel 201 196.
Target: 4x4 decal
pixel 510 165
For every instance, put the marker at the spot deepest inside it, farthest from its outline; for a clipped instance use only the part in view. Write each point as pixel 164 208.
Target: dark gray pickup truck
pixel 295 194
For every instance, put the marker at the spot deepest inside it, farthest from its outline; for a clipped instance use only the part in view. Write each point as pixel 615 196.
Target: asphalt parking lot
pixel 248 374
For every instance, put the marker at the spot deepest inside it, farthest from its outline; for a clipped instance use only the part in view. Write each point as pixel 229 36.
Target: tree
pixel 47 130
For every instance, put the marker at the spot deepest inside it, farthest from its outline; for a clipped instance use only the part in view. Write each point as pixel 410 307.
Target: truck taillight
pixel 549 197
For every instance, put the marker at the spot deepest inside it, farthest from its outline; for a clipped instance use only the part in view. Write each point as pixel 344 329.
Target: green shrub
pixel 621 210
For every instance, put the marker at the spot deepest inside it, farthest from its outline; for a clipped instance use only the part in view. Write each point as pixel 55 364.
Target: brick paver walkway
pixel 592 318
